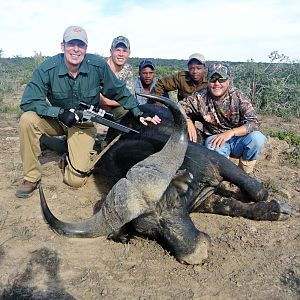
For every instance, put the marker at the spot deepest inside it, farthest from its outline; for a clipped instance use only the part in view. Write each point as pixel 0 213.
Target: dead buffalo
pixel 159 179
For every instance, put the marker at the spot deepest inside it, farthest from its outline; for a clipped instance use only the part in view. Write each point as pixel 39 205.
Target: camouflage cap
pixel 120 40
pixel 75 33
pixel 220 69
pixel 197 56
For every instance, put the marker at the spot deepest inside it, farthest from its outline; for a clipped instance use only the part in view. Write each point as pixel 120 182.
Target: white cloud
pixel 224 30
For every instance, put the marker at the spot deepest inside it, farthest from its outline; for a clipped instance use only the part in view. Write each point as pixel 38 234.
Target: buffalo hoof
pixel 272 211
pixel 283 210
pixel 200 252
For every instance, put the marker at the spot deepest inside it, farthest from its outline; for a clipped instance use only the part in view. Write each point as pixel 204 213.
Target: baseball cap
pixel 197 56
pixel 75 33
pixel 219 68
pixel 146 63
pixel 120 40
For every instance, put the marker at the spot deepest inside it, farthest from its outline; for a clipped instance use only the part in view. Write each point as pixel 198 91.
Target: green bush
pixel 10 108
pixel 293 139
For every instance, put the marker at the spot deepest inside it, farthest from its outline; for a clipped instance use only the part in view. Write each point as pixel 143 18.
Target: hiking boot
pixel 26 188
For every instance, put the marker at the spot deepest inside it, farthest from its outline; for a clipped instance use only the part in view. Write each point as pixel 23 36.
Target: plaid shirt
pixel 218 116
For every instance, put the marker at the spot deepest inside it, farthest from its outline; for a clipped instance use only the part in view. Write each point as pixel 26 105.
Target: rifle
pixel 94 114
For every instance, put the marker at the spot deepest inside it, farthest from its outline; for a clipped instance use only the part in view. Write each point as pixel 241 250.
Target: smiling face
pixel 119 55
pixel 74 52
pixel 218 89
pixel 196 70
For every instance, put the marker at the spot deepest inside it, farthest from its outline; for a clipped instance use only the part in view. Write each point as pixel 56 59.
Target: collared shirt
pixel 181 82
pixel 52 87
pixel 219 116
pixel 138 88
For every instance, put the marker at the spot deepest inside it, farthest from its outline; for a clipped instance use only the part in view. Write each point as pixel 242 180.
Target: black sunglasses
pixel 215 79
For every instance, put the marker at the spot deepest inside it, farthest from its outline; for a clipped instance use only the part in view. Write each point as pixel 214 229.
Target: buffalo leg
pixel 273 211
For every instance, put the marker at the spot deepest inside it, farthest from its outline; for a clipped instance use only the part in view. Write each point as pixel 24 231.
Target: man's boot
pixel 26 188
pixel 247 165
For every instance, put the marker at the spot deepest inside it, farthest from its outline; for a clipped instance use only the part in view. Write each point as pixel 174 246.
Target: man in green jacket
pixel 50 102
pixel 185 82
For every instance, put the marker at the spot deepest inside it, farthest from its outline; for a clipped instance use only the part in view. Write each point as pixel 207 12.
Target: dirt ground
pixel 249 259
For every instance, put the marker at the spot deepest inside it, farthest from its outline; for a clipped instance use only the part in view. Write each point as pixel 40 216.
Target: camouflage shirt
pixel 126 75
pixel 219 116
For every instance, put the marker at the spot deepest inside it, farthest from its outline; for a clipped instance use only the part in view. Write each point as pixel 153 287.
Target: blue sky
pixel 228 30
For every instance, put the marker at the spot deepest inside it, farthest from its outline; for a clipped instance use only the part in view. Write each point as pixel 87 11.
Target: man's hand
pixel 147 118
pixel 68 117
pixel 192 130
pixel 220 139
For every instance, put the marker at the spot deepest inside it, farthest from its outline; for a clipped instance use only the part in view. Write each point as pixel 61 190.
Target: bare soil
pixel 249 259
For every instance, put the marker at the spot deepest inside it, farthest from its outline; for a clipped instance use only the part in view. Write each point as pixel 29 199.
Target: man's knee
pixel 27 119
pixel 73 178
pixel 223 150
pixel 258 139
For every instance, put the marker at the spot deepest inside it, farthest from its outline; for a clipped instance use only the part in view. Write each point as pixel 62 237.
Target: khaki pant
pixel 119 112
pixel 80 139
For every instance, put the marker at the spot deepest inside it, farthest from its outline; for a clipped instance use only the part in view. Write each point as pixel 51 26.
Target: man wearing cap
pixel 229 120
pixel 50 102
pixel 119 53
pixel 146 80
pixel 185 82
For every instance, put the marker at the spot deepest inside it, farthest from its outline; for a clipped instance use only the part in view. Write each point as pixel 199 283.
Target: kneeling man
pixel 229 120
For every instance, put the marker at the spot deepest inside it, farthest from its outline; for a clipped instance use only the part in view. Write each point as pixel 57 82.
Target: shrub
pixel 292 139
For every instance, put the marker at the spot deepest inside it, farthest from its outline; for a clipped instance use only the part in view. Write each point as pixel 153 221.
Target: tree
pixel 273 87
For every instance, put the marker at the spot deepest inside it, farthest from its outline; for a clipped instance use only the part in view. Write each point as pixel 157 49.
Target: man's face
pixel 218 86
pixel 196 71
pixel 74 52
pixel 119 55
pixel 147 75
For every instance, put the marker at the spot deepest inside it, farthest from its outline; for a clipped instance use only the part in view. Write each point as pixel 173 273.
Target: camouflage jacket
pixel 181 82
pixel 126 75
pixel 218 116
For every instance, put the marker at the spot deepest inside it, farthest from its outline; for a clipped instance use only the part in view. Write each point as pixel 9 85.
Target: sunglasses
pixel 215 79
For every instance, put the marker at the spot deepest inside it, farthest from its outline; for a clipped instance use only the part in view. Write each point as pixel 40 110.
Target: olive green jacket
pixel 181 82
pixel 52 87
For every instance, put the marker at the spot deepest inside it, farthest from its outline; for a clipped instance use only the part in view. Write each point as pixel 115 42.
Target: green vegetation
pixel 274 87
pixel 289 136
pixel 14 72
pixel 292 139
pixel 10 108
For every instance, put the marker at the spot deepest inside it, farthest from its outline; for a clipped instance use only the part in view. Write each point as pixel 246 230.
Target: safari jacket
pixel 181 82
pixel 52 88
